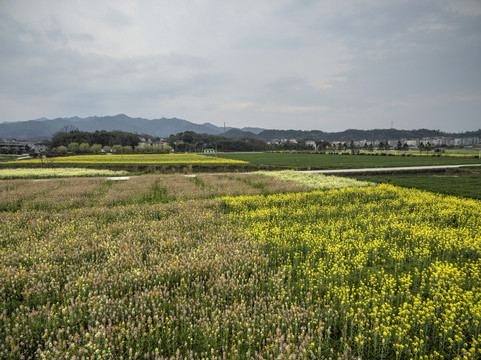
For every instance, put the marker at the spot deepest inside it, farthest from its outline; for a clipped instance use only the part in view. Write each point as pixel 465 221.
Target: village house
pixel 39 147
pixel 311 143
pixel 12 146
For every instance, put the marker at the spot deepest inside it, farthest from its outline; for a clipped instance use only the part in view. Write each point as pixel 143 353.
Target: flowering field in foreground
pixel 315 181
pixel 135 159
pixel 400 268
pixel 374 272
pixel 55 173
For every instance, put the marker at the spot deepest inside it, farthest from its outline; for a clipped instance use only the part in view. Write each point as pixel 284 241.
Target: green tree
pixel 84 148
pixel 148 149
pixel 428 146
pixel 399 146
pixel 117 149
pixel 73 147
pixel 421 146
pixel 95 148
pixel 127 149
pixel 62 150
pixel 106 148
pixel 158 149
pixel 405 147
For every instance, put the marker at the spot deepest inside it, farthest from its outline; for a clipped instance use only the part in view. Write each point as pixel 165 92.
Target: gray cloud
pixel 327 65
pixel 117 19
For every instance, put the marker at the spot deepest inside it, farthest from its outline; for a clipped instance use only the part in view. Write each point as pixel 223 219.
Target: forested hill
pixel 476 133
pixel 352 134
pixel 163 127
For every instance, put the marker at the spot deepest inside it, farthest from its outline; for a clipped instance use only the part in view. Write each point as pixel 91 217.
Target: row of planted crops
pixel 131 159
pixel 250 267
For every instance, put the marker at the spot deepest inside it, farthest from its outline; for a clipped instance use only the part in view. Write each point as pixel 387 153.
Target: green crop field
pixel 8 157
pixel 326 161
pixel 237 266
pixel 468 186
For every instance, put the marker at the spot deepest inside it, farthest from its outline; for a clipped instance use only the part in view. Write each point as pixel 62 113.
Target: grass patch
pixel 8 157
pixel 259 185
pixel 157 194
pixel 199 182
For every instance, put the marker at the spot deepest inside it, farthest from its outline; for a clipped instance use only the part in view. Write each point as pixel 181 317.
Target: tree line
pixel 85 148
pixel 190 141
pixel 104 138
pixel 73 141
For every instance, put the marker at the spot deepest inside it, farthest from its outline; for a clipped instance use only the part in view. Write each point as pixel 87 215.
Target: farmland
pixel 239 266
pixel 315 181
pixel 331 161
pixel 8 157
pixel 226 162
pixel 131 159
pixel 398 268
pixel 62 194
pixel 465 184
pixel 39 173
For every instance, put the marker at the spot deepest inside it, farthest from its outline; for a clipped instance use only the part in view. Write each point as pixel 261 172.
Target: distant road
pixel 388 169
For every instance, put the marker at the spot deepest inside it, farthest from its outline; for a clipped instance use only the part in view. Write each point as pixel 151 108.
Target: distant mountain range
pixel 44 129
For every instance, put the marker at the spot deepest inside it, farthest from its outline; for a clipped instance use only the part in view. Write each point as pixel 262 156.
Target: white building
pixel 311 143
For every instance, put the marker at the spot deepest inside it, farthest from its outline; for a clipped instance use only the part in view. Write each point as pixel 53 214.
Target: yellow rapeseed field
pixel 402 267
pixel 134 159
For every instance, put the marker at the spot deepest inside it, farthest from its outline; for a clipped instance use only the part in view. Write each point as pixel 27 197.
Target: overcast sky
pixel 324 65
